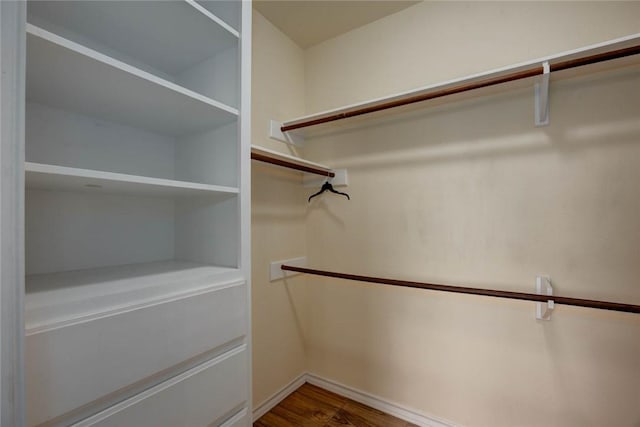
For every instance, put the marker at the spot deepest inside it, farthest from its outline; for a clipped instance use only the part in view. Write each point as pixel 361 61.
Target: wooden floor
pixel 311 406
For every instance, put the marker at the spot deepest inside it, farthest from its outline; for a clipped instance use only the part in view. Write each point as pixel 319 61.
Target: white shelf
pixel 218 12
pixel 72 77
pixel 226 11
pixel 59 299
pixel 171 36
pixel 272 153
pixel 61 178
pixel 620 43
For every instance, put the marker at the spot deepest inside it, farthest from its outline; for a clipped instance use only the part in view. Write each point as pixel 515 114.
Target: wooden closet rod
pixel 291 165
pixel 604 305
pixel 492 81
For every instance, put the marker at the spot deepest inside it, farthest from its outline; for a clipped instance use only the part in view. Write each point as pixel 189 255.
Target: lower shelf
pixel 58 299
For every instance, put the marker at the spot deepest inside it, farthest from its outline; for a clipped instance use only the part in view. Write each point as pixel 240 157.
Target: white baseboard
pixel 279 396
pixel 353 394
pixel 378 403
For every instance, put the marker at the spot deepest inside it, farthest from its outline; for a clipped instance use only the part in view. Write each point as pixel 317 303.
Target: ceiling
pixel 308 22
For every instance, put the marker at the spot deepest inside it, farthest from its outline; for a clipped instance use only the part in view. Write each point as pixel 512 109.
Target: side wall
pixel 12 86
pixel 277 216
pixel 472 193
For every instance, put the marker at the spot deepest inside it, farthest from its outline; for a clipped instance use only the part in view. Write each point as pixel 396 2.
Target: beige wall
pixel 277 216
pixel 437 41
pixel 473 193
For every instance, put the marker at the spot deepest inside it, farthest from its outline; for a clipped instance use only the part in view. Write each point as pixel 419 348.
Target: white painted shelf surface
pixel 59 299
pixel 62 178
pixel 170 36
pixel 276 154
pixel 596 49
pixel 72 77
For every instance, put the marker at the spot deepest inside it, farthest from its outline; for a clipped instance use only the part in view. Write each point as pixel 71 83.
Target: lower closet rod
pixel 604 305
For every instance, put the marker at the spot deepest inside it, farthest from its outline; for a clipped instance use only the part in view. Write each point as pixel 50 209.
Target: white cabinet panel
pixel 241 419
pixel 204 396
pixel 73 366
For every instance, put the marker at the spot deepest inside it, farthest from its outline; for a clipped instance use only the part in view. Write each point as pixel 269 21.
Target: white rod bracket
pixel 276 133
pixel 541 92
pixel 277 273
pixel 543 287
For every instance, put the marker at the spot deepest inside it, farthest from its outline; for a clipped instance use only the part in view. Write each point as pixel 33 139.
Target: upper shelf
pixel 608 55
pixel 66 75
pixel 170 36
pixel 227 11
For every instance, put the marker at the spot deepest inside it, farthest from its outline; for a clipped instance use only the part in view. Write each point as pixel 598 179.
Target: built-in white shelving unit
pixel 135 208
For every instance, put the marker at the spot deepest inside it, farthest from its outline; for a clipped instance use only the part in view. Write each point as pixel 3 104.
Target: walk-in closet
pixel 490 152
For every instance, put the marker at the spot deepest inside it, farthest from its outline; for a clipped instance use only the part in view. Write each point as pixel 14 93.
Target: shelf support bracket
pixel 543 287
pixel 277 273
pixel 286 137
pixel 541 92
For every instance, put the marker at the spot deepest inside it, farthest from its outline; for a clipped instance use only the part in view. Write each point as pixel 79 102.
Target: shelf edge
pixel 43 168
pixel 47 326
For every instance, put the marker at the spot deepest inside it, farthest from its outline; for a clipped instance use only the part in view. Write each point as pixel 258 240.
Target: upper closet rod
pixel 291 165
pixel 604 305
pixel 492 81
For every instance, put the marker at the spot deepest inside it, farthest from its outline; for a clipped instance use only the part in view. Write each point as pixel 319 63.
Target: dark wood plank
pixel 305 410
pixel 322 395
pixel 355 414
pixel 270 420
pixel 283 418
pixel 311 406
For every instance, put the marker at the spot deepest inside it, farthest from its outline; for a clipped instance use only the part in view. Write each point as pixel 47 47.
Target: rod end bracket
pixel 289 138
pixel 541 94
pixel 543 287
pixel 277 273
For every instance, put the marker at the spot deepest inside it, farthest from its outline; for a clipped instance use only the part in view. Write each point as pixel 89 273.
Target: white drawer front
pixel 75 365
pixel 239 420
pixel 201 397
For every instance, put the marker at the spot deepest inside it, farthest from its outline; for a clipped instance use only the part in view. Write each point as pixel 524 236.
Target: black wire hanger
pixel 328 187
